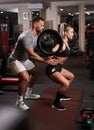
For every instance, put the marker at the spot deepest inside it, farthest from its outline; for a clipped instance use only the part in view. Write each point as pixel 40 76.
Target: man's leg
pixel 24 79
pixel 29 92
pixel 18 68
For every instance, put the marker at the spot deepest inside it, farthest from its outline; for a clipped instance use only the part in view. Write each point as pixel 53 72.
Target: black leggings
pixel 50 69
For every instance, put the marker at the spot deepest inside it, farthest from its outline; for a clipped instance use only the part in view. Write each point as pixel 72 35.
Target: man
pixel 21 61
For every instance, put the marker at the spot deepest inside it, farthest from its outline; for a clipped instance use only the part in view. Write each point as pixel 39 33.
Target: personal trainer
pixel 21 61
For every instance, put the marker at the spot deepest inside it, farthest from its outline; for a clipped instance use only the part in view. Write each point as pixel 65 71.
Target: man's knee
pixel 25 79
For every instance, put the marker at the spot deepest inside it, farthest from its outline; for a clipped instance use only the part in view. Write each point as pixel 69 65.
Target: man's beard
pixel 38 31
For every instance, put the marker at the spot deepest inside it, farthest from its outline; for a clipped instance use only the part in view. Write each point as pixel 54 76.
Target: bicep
pixel 30 51
pixel 33 55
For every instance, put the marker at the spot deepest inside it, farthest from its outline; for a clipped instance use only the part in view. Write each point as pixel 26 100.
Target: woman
pixel 59 74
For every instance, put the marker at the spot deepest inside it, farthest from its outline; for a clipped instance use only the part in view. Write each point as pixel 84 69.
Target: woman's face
pixel 70 33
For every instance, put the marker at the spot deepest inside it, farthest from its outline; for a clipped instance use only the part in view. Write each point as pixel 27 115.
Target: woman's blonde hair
pixel 64 28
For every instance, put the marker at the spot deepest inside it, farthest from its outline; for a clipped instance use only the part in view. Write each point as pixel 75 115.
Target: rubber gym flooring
pixel 46 118
pixel 81 88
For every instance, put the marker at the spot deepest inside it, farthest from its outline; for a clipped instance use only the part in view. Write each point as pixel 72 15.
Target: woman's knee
pixel 71 76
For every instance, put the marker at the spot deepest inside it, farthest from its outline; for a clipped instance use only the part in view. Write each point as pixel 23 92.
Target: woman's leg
pixel 68 75
pixel 64 78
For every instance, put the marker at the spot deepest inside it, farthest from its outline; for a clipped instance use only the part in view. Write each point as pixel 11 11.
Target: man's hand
pixel 51 61
pixel 33 55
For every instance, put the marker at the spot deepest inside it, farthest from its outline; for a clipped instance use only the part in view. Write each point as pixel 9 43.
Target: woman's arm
pixel 55 48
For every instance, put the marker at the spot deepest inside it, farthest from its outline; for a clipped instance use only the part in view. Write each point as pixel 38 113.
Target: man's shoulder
pixel 24 34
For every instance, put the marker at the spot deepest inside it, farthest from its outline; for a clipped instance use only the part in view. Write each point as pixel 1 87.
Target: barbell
pixel 48 40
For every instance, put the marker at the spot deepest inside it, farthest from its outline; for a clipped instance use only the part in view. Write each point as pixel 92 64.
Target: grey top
pixel 25 40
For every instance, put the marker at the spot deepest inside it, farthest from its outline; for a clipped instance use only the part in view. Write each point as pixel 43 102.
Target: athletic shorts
pixel 19 66
pixel 50 69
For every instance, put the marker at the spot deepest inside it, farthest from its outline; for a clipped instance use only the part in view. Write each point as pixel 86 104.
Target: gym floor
pixel 77 65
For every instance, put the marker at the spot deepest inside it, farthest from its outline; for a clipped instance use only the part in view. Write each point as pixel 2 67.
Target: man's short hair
pixel 37 19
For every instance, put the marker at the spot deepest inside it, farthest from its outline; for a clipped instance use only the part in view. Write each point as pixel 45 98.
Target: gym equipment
pixel 48 40
pixel 6 79
pixel 4 38
pixel 9 80
pixel 87 115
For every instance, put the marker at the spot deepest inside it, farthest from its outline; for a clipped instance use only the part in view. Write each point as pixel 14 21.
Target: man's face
pixel 39 26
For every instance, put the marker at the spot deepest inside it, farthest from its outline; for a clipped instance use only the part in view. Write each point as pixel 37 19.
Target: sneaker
pixel 58 106
pixel 31 96
pixel 64 97
pixel 22 106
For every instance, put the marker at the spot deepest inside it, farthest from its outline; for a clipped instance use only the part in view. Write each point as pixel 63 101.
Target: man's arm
pixel 33 55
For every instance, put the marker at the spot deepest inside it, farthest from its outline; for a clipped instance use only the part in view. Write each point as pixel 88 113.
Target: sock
pixel 29 90
pixel 19 99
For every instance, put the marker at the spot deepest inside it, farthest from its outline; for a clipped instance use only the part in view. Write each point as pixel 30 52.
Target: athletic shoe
pixel 21 105
pixel 31 96
pixel 64 97
pixel 58 106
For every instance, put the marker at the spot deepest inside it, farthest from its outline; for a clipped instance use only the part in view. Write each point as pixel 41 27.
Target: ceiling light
pixel 69 14
pixel 61 9
pixel 84 8
pixel 87 13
